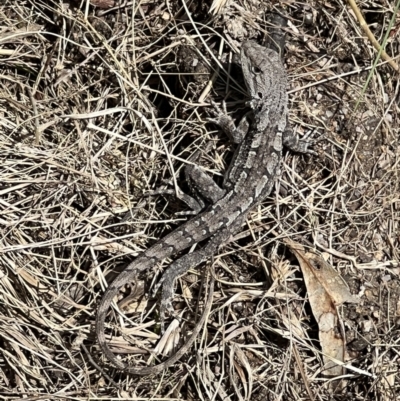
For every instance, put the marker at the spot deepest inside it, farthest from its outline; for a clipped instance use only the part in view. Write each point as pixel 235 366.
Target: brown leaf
pixel 326 290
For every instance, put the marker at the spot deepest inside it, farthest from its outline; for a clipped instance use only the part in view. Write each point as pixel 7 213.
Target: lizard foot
pixel 166 304
pixel 235 133
pixel 307 141
pixel 221 117
pixel 300 145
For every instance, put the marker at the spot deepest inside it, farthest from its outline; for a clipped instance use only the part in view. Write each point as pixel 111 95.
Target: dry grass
pixel 97 108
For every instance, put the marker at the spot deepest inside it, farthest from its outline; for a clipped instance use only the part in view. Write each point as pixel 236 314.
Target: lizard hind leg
pixel 167 281
pixel 186 262
pixel 194 204
pixel 202 187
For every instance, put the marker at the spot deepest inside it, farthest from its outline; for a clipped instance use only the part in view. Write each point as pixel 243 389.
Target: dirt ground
pixel 103 102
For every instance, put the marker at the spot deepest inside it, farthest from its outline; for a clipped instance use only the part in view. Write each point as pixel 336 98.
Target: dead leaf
pixel 325 274
pixel 326 290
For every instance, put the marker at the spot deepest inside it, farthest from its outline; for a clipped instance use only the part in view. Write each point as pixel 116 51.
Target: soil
pixel 101 103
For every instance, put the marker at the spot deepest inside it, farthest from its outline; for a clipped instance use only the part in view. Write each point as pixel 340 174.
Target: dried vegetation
pixel 102 102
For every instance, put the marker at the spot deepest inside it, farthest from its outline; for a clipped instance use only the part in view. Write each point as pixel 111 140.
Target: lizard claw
pixel 301 145
pixel 307 141
pixel 217 108
pixel 218 112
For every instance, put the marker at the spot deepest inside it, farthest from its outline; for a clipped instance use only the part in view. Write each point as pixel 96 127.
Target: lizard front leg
pixel 235 133
pixel 202 187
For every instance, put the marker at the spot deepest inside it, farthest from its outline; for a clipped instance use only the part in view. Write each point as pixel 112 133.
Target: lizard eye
pixel 256 70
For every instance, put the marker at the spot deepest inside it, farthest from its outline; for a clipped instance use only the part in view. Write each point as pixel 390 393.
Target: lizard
pixel 249 180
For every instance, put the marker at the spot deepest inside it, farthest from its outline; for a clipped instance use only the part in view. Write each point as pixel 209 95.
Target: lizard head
pixel 264 75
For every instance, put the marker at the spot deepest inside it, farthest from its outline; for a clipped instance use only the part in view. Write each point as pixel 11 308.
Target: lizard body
pixel 249 179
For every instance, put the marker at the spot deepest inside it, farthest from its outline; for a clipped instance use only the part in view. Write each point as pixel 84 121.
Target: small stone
pixel 166 16
pixel 366 326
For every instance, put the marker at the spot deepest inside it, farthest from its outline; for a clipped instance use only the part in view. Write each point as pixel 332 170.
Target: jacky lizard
pixel 249 179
